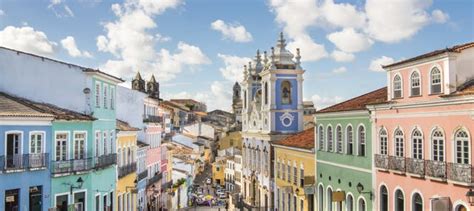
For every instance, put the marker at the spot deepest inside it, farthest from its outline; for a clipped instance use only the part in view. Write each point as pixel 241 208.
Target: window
pixel 361 140
pixel 397 86
pixel 61 146
pixel 417 203
pixel 383 136
pixel 104 143
pixel 437 141
pixel 97 95
pixel 415 84
pixel 350 140
pixel 36 142
pixel 435 81
pixel 266 93
pixel 245 99
pixel 329 134
pixel 79 146
pixel 461 140
pixel 321 198
pixel 285 93
pixel 295 174
pixel 362 205
pixel 339 139
pixel 106 88
pixel 97 143
pixel 112 98
pixel 349 203
pixel 321 137
pixel 329 199
pixel 399 148
pixel 301 176
pixel 283 172
pixel 112 141
pixel 417 144
pixel 399 201
pixel 383 198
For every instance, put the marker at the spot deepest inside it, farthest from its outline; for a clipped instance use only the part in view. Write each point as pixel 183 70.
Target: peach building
pixel 423 133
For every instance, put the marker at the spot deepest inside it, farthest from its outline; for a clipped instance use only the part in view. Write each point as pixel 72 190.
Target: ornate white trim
pixel 286 116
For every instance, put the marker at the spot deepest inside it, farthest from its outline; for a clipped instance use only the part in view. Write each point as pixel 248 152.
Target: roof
pixel 455 49
pixel 220 112
pixel 124 126
pixel 84 69
pixel 54 111
pixel 10 107
pixel 358 103
pixel 90 70
pixel 142 144
pixel 303 140
pixel 174 105
pixel 467 88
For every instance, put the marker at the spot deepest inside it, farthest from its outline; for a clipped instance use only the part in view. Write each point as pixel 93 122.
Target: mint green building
pixel 344 156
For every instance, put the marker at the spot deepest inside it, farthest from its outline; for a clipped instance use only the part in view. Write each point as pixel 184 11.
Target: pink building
pixel 423 134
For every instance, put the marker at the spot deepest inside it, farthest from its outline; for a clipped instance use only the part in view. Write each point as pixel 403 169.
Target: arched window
pixel 417 202
pixel 361 139
pixel 321 137
pixel 286 92
pixel 460 208
pixel 266 93
pixel 350 140
pixel 417 144
pixel 329 199
pixel 399 143
pixel 415 83
pixel 461 140
pixel 245 99
pixel 330 138
pixel 399 201
pixel 383 136
pixel 321 198
pixel 383 198
pixel 397 86
pixel 362 206
pixel 437 144
pixel 349 203
pixel 435 81
pixel 339 139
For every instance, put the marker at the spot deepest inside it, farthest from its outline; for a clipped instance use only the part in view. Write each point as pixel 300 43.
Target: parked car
pixel 220 191
pixel 199 191
pixel 208 181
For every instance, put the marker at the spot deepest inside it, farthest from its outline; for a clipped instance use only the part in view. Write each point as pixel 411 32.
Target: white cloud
pixel 161 38
pixel 310 50
pixel 439 16
pixel 60 12
pixel 2 12
pixel 233 70
pixel 339 70
pixel 341 56
pixel 323 102
pixel 376 64
pixel 27 39
pixel 235 32
pixel 69 44
pixel 129 40
pixel 348 40
pixel 343 15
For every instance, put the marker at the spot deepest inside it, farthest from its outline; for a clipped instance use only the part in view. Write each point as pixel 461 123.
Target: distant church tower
pixel 237 103
pixel 153 88
pixel 138 83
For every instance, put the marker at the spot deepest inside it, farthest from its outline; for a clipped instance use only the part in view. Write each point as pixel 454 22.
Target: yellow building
pixel 218 175
pixel 294 171
pixel 233 139
pixel 126 167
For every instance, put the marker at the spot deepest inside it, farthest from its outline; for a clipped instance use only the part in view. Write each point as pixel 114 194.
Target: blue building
pixel 272 98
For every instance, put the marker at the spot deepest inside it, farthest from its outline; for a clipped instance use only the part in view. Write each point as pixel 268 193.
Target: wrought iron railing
pixel 71 166
pixel 127 169
pixel 381 161
pixel 460 172
pixel 152 118
pixel 155 178
pixel 415 166
pixel 435 169
pixel 397 163
pixel 142 175
pixel 25 161
pixel 105 161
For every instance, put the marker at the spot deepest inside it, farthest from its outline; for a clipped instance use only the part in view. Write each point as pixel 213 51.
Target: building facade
pixel 294 168
pixel 423 153
pixel 272 108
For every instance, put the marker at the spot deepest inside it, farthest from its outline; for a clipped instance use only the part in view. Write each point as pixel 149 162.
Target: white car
pixel 220 191
pixel 208 181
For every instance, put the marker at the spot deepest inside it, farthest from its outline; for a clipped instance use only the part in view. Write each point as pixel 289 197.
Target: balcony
pixel 157 177
pixel 415 166
pixel 71 166
pixel 105 161
pixel 435 169
pixel 152 119
pixel 396 163
pixel 25 161
pixel 459 172
pixel 381 161
pixel 142 175
pixel 127 169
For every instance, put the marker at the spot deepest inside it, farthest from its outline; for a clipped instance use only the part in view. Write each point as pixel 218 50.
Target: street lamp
pixel 470 196
pixel 360 189
pixel 79 181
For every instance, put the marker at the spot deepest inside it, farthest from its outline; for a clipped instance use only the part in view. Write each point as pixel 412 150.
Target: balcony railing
pixel 396 163
pixel 71 166
pixel 415 166
pixel 435 169
pixel 460 172
pixel 155 178
pixel 127 169
pixel 25 161
pixel 105 161
pixel 152 118
pixel 142 175
pixel 381 161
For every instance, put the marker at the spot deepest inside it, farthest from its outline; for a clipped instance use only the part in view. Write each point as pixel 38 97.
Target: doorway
pixel 62 202
pixel 80 201
pixel 12 200
pixel 13 156
pixel 36 198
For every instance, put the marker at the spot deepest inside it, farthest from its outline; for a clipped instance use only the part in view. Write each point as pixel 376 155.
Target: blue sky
pixel 197 48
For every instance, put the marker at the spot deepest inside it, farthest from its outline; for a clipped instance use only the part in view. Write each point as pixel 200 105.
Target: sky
pixel 197 48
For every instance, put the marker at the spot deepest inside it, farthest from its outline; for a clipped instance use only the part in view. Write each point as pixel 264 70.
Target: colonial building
pixel 344 156
pixel 294 169
pixel 237 104
pixel 423 151
pixel 272 108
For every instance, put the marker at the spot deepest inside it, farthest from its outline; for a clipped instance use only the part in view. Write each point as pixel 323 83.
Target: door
pixel 13 151
pixel 12 200
pixel 62 202
pixel 79 201
pixel 36 198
